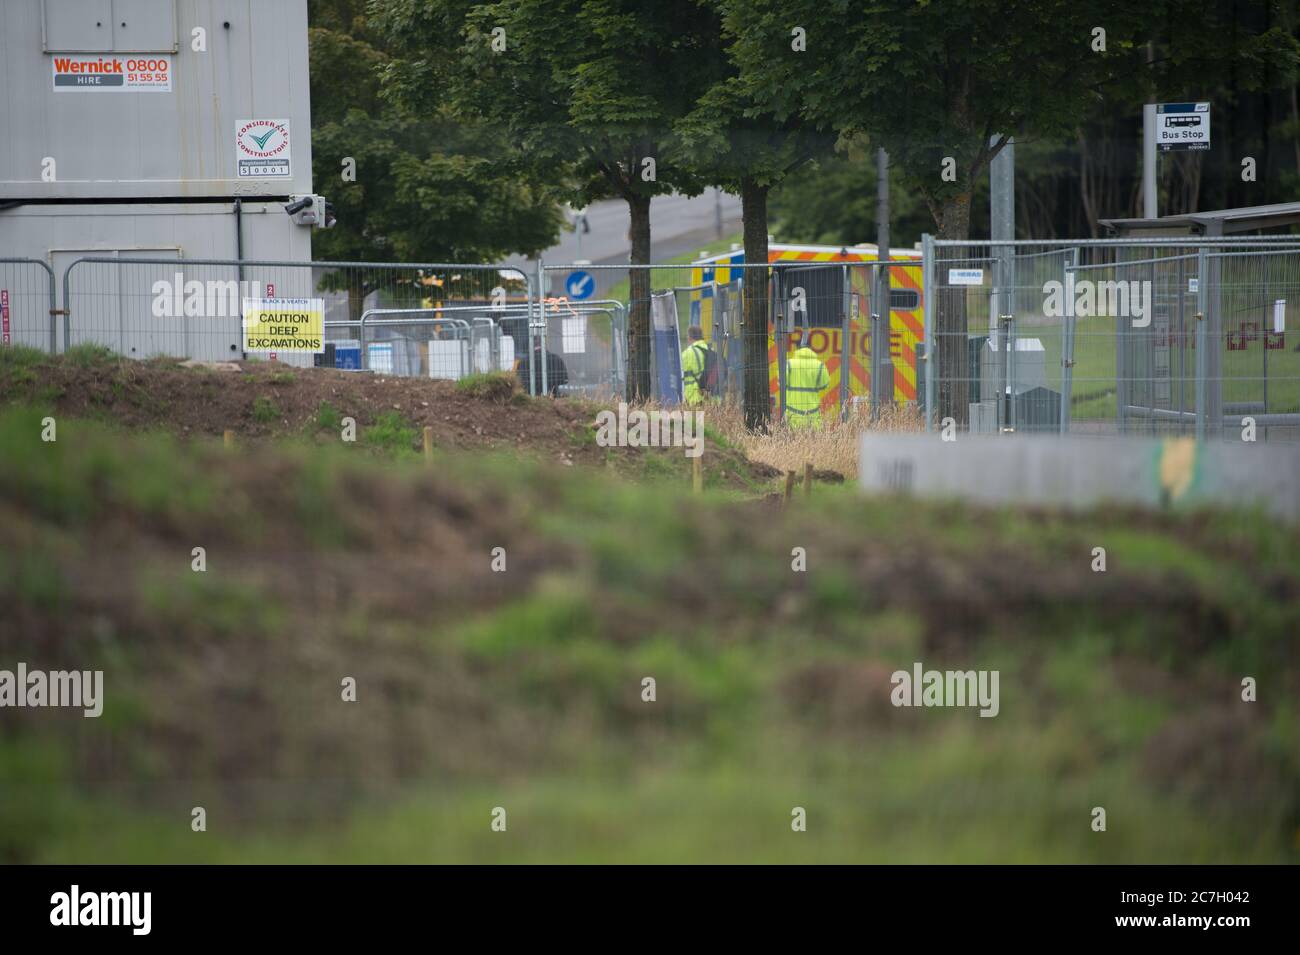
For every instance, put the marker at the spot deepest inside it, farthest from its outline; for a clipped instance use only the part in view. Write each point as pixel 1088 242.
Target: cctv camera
pixel 297 204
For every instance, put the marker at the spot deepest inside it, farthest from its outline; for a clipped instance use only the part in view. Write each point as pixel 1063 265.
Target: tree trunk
pixel 757 401
pixel 1295 119
pixel 638 331
pixel 952 399
pixel 356 295
pixel 356 302
pixel 1085 183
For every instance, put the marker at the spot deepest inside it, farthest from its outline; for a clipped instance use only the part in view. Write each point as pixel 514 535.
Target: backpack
pixel 708 382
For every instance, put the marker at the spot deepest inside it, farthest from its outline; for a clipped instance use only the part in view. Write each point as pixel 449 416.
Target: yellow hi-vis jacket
pixel 692 372
pixel 805 380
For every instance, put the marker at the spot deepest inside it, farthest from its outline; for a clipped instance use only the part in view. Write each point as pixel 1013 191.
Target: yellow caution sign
pixel 284 324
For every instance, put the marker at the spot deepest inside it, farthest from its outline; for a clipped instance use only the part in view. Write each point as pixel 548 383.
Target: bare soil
pixel 261 401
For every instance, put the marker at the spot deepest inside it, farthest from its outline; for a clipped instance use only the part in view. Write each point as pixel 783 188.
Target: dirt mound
pixel 261 401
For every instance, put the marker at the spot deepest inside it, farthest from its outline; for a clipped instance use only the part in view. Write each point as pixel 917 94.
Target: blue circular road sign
pixel 579 285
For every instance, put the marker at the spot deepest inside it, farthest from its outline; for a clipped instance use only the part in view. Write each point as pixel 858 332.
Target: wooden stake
pixel 697 473
pixel 228 438
pixel 789 486
pixel 807 479
pixel 428 444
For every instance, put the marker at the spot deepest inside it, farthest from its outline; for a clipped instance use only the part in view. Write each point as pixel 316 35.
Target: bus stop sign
pixel 1182 126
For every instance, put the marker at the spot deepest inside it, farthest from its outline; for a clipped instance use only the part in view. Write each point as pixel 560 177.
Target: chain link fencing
pixel 1172 336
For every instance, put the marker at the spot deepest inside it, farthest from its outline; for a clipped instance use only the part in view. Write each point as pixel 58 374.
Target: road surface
pixel 677 225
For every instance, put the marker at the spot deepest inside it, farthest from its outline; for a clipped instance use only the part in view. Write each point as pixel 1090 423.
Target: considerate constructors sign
pixel 284 325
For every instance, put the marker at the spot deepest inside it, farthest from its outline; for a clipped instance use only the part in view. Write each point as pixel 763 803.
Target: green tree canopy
pixel 833 202
pixel 731 140
pixel 585 91
pixel 427 187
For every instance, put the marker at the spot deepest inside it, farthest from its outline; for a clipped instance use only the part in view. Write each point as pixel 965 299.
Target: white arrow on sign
pixel 580 285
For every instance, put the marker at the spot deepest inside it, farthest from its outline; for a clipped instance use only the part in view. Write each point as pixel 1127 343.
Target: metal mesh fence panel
pixel 968 357
pixel 587 340
pixel 1180 336
pixel 827 308
pixel 27 302
pixel 1253 293
pixel 1170 336
pixel 146 306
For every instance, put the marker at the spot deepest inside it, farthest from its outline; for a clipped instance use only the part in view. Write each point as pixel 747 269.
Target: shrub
pixel 497 386
pixel 264 411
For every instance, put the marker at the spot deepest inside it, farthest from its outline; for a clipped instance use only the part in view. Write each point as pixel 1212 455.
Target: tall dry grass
pixel 833 447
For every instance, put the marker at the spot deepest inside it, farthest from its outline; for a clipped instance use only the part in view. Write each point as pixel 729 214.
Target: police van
pixel 821 272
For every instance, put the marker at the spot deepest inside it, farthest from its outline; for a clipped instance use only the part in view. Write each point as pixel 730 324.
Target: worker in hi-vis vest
pixel 699 368
pixel 805 380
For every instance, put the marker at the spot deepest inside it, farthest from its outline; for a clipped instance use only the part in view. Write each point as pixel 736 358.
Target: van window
pixel 904 299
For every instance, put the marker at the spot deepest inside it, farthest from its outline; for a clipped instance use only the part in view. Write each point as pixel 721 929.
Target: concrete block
pixel 1077 472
